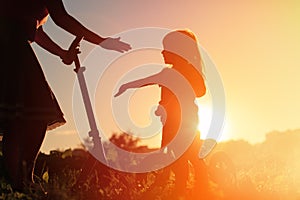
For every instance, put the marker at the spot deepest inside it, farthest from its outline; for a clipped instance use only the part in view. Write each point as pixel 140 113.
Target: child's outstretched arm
pixel 150 80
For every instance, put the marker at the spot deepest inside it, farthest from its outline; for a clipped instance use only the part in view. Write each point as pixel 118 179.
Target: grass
pixel 254 172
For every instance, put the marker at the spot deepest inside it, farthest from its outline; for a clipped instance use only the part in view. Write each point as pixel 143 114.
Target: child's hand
pixel 115 44
pixel 122 89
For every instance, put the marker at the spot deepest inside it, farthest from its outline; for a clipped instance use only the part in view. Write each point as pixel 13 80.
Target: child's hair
pixel 184 44
pixel 188 33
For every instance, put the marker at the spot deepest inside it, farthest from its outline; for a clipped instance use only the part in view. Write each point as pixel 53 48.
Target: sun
pixel 205 113
pixel 205 116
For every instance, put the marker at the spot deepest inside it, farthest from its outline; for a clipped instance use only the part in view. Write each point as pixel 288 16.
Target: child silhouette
pixel 181 52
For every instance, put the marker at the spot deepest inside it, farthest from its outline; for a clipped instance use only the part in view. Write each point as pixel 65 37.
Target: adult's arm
pixel 43 40
pixel 61 18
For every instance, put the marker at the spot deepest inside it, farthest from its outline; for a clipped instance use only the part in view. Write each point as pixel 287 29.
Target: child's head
pixel 181 50
pixel 181 45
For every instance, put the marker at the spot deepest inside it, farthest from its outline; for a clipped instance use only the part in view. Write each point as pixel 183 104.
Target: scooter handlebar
pixel 73 46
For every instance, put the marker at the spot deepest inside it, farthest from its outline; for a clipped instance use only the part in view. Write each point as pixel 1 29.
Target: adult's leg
pixel 11 156
pixel 34 135
pixel 20 149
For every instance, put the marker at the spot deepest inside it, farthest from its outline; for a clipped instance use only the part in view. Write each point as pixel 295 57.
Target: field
pixel 236 170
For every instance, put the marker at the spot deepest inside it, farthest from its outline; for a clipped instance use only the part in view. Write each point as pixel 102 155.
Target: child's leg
pixel 201 188
pixel 181 170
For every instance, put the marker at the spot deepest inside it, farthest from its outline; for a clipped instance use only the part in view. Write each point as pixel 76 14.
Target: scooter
pixel 97 149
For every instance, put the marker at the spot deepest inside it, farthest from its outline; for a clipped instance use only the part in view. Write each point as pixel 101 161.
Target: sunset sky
pixel 254 44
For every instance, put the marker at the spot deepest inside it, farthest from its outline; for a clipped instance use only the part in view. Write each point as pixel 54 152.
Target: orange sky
pixel 254 44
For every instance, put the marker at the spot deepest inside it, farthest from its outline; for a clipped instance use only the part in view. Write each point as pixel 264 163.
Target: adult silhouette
pixel 182 54
pixel 28 107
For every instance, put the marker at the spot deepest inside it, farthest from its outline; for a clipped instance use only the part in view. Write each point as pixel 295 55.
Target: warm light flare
pixel 205 112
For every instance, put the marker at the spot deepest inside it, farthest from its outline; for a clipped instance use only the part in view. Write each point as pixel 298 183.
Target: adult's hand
pixel 115 44
pixel 69 56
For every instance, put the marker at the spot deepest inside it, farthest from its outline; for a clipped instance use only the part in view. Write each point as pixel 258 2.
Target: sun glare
pixel 205 112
